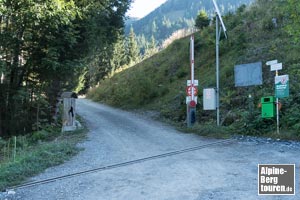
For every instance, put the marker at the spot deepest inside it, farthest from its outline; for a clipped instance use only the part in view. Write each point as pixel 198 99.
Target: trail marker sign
pixel 282 86
pixel 276 67
pixel 271 62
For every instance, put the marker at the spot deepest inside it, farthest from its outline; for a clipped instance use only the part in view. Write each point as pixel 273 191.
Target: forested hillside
pixel 264 31
pixel 174 15
pixel 44 47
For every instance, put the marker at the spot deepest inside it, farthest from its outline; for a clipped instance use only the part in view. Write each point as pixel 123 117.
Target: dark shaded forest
pixel 50 46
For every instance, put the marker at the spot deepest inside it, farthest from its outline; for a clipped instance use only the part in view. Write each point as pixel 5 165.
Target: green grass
pixel 207 130
pixel 39 155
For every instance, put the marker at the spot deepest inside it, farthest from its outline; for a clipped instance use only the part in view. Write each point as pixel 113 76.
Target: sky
pixel 140 8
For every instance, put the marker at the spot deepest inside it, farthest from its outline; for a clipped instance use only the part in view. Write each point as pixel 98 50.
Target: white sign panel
pixel 189 82
pixel 189 99
pixel 209 99
pixel 272 62
pixel 276 67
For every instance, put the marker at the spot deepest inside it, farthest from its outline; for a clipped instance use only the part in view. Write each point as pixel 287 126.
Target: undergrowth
pixel 35 153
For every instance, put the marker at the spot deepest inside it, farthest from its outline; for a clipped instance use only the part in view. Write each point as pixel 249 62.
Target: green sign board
pixel 282 86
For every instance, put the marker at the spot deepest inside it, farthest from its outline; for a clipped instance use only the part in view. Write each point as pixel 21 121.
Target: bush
pixel 39 135
pixel 251 123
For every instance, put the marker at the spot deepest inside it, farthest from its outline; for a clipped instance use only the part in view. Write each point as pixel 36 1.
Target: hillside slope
pixel 159 82
pixel 177 14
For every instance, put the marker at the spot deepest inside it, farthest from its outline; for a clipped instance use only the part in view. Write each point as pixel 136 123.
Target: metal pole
pixel 192 66
pixel 277 113
pixel 217 72
pixel 192 62
pixel 277 110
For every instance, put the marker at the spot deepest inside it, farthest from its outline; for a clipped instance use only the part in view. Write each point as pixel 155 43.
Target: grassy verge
pixel 211 130
pixel 207 130
pixel 34 156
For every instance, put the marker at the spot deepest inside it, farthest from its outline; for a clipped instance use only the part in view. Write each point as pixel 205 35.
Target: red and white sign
pixel 189 90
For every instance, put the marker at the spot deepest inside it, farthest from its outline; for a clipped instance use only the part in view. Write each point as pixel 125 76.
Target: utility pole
pixel 218 35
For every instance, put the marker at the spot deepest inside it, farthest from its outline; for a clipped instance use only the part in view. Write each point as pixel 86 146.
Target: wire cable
pixel 118 165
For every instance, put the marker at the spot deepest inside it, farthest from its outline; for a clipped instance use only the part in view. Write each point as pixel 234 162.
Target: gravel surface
pixel 218 172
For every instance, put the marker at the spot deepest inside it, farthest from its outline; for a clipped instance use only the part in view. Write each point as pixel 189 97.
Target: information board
pixel 248 74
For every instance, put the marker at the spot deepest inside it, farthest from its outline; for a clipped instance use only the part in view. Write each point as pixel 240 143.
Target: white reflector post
pixel 2 78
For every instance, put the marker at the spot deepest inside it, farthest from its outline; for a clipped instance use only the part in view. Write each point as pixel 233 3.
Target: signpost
pixel 191 90
pixel 281 86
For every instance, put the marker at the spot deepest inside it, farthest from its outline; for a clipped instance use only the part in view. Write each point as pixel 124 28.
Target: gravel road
pixel 217 172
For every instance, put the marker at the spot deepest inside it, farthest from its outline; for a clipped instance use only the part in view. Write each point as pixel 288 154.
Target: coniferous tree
pixel 202 20
pixel 151 48
pixel 133 50
pixel 119 55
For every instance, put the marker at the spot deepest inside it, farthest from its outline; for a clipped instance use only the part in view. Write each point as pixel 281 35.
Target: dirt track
pixel 218 172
